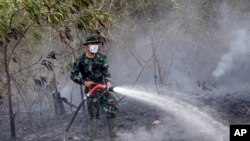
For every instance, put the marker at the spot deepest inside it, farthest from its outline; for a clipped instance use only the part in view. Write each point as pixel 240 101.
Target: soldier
pixel 92 68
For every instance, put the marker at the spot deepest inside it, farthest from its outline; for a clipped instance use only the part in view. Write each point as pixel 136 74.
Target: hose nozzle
pixel 110 88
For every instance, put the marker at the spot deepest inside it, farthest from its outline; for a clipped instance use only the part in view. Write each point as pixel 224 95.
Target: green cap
pixel 92 39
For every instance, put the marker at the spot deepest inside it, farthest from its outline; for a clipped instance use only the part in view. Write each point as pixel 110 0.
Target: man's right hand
pixel 88 83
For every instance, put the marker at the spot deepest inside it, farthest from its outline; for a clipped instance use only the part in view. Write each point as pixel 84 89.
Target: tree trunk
pixel 11 114
pixel 58 103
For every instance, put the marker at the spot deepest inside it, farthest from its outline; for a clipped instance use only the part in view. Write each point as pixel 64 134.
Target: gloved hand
pixel 88 83
pixel 109 84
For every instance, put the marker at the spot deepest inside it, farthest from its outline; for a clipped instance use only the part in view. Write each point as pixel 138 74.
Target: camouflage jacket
pixel 91 69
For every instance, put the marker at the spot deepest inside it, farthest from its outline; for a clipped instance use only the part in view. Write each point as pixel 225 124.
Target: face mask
pixel 93 48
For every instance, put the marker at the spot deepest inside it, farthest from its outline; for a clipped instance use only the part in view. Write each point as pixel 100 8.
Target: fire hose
pixel 91 92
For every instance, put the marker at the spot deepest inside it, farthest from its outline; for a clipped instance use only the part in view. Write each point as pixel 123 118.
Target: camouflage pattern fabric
pixel 96 70
pixel 91 69
pixel 104 101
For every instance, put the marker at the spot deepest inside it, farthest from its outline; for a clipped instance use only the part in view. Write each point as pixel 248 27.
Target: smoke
pixel 238 48
pixel 203 41
pixel 193 123
pixel 192 44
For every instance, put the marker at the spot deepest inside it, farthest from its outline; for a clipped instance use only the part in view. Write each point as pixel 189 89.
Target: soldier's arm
pixel 105 70
pixel 75 74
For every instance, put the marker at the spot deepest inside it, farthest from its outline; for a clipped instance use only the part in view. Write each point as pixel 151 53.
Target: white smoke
pixel 238 48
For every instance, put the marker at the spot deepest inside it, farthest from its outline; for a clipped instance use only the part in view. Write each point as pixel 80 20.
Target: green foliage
pixel 16 16
pixel 37 34
pixel 175 4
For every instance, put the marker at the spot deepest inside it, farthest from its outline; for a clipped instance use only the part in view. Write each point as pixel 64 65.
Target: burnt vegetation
pixel 168 44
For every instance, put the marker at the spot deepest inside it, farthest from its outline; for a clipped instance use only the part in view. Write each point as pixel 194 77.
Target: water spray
pixel 198 121
pixel 201 123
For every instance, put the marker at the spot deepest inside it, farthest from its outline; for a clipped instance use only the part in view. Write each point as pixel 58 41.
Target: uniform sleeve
pixel 105 70
pixel 75 74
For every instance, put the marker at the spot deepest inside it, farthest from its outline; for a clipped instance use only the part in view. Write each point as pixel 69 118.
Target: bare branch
pixel 30 71
pixel 65 100
pixel 13 14
pixel 17 43
pixel 27 67
pixel 136 8
pixel 102 4
pixel 111 4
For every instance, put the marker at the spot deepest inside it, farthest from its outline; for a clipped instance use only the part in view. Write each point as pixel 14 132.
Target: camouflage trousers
pixel 105 101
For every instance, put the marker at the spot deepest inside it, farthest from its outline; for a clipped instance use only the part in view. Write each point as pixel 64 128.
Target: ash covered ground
pixel 135 121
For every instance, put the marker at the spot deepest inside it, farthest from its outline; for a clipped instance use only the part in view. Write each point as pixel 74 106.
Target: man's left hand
pixel 109 84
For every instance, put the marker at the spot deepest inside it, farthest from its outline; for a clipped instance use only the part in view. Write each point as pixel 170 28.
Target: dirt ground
pixel 134 116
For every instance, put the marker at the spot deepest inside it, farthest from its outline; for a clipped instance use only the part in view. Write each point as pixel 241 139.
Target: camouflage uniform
pixel 96 70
